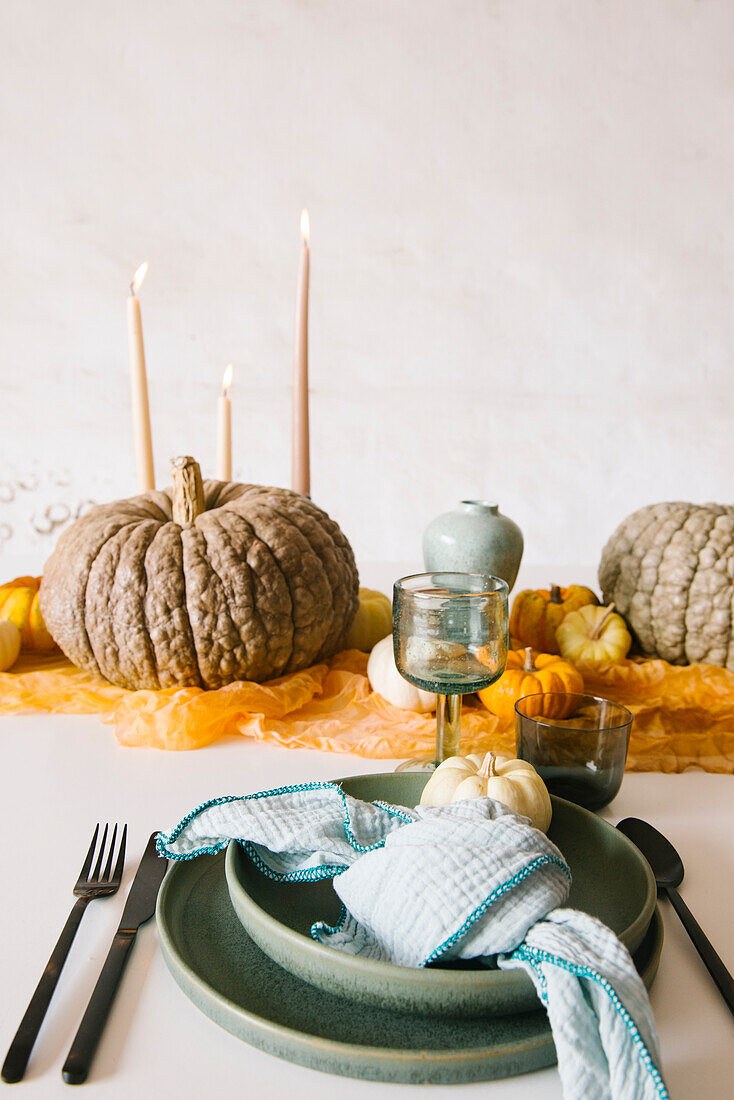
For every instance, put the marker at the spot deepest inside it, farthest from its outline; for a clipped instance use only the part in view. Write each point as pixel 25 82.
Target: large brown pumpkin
pixel 669 570
pixel 200 585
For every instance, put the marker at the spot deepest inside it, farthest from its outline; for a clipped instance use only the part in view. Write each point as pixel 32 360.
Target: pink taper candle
pixel 300 467
pixel 139 386
pixel 224 429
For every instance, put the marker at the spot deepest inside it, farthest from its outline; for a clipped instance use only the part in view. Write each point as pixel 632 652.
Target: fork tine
pixel 108 867
pixel 95 873
pixel 117 875
pixel 90 855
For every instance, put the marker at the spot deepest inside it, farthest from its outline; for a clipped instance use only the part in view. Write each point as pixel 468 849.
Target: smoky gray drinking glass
pixel 580 756
pixel 450 637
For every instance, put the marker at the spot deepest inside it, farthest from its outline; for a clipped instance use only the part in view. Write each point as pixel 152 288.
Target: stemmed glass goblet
pixel 450 635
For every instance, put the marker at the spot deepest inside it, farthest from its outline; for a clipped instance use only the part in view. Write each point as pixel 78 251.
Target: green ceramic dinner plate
pixel 228 977
pixel 611 880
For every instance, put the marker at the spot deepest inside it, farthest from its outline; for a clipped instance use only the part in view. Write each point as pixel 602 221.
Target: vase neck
pixel 484 506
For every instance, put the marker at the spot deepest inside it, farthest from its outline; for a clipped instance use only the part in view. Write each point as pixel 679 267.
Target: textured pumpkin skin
pixel 19 604
pixel 260 584
pixel 669 568
pixel 550 674
pixel 535 617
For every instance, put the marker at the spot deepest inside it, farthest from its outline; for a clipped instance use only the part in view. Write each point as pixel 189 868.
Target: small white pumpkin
pixel 9 644
pixel 384 678
pixel 515 783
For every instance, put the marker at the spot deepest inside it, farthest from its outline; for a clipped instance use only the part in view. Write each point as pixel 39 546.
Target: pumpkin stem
pixel 529 665
pixel 487 770
pixel 188 490
pixel 596 632
pixel 555 596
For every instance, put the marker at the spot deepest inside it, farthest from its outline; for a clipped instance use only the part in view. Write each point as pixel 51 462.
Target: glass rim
pixel 500 585
pixel 542 721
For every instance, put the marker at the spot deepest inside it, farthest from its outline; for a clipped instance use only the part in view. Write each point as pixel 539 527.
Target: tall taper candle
pixel 300 465
pixel 224 429
pixel 139 386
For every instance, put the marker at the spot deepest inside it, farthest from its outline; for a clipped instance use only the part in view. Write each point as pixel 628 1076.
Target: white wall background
pixel 522 253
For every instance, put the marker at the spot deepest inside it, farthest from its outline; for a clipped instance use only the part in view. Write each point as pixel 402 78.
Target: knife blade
pixel 139 908
pixel 140 903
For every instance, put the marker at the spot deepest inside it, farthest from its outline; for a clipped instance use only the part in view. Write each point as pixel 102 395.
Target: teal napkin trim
pixel 329 929
pixel 164 840
pixel 534 956
pixel 516 879
pixel 312 874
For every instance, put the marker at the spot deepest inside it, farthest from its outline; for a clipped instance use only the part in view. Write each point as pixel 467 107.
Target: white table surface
pixel 59 775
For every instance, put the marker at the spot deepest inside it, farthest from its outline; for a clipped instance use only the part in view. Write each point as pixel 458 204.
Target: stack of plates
pixel 239 946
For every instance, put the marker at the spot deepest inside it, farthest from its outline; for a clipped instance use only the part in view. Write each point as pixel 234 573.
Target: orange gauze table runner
pixel 684 716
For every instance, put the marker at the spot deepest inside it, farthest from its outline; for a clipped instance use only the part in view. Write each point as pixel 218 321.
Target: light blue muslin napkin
pixel 467 880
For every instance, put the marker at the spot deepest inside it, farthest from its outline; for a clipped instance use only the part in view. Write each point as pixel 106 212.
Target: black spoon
pixel 667 867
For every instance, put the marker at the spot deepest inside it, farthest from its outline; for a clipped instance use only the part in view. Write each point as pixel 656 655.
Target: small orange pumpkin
pixel 536 614
pixel 528 675
pixel 19 604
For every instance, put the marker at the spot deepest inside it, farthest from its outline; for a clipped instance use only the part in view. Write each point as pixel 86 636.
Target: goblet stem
pixel 448 726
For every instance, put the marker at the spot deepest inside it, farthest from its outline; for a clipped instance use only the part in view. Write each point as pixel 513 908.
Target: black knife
pixel 139 907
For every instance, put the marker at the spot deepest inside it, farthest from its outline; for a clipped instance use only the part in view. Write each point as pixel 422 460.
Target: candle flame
pixel 138 277
pixel 305 226
pixel 227 378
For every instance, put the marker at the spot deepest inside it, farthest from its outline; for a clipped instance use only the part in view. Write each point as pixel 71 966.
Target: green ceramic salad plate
pixel 611 880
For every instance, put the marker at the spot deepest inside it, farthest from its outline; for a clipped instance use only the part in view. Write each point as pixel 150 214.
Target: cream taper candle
pixel 224 429
pixel 139 386
pixel 300 464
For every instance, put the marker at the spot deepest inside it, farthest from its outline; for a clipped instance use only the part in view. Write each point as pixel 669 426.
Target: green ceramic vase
pixel 474 538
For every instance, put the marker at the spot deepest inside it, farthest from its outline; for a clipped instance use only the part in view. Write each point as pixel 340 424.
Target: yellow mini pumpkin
pixel 9 644
pixel 594 636
pixel 515 783
pixel 372 623
pixel 526 674
pixel 19 604
pixel 536 615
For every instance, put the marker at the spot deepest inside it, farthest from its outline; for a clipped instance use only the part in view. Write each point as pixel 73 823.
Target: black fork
pixel 99 884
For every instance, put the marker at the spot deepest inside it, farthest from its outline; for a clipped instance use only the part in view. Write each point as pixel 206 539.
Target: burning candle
pixel 224 429
pixel 139 384
pixel 300 467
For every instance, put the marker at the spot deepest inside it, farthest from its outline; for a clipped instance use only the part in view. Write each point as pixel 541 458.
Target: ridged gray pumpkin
pixel 669 569
pixel 249 584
